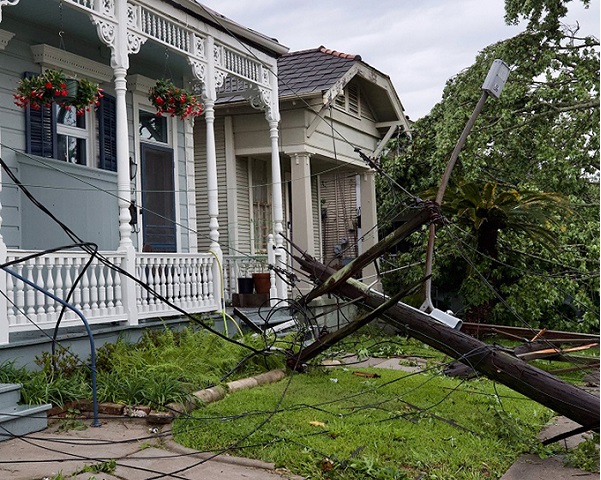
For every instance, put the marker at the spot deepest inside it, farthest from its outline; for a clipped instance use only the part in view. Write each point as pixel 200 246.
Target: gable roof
pixel 325 72
pixel 315 70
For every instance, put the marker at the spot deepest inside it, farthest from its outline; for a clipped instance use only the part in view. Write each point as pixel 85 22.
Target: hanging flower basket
pixel 41 90
pixel 174 101
pixel 53 86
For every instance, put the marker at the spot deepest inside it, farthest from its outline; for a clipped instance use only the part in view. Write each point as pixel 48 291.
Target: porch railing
pixel 98 294
pixel 184 280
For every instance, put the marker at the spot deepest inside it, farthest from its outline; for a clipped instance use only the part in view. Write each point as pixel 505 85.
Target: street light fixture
pixel 493 85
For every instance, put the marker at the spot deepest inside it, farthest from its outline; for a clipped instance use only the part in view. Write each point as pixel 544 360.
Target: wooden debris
pixel 367 375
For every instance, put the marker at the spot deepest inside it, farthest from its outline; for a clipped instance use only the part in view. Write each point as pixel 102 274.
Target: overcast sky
pixel 419 44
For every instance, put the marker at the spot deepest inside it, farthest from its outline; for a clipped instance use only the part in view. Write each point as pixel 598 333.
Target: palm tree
pixel 486 209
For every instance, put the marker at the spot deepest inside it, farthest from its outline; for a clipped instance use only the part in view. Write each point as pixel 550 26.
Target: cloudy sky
pixel 419 44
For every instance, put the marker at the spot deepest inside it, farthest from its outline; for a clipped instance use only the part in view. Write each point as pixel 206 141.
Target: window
pixel 91 139
pixel 262 212
pixel 153 127
pixel 71 136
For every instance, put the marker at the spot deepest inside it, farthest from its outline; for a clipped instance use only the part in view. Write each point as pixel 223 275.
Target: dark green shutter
pixel 40 130
pixel 107 122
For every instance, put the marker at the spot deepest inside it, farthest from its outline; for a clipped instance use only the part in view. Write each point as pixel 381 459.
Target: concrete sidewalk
pixel 532 467
pixel 141 452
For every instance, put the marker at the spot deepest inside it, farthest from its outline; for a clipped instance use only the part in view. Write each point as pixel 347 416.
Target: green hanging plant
pixel 87 97
pixel 174 101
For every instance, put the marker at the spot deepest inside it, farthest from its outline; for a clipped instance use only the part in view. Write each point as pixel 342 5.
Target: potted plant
pixel 53 86
pixel 245 282
pixel 174 101
pixel 262 281
pixel 88 96
pixel 41 90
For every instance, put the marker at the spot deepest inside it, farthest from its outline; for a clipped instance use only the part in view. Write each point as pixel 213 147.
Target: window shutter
pixel 107 130
pixel 353 98
pixel 40 130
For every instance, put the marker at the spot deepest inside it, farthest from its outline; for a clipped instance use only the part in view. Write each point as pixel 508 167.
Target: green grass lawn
pixel 336 424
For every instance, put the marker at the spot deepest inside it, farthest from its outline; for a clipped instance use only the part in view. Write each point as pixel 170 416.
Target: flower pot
pixel 245 285
pixel 262 282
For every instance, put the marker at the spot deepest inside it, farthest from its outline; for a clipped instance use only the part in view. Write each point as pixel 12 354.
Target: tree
pixel 541 136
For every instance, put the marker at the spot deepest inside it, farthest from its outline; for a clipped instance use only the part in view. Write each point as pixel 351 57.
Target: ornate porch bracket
pixel 7 3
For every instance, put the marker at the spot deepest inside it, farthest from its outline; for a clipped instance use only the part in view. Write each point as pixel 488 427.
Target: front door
pixel 158 199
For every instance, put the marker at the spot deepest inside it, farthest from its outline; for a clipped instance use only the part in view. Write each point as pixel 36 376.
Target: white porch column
pixel 210 94
pixel 278 209
pixel 302 208
pixel 123 176
pixel 369 222
pixel 122 43
pixel 212 187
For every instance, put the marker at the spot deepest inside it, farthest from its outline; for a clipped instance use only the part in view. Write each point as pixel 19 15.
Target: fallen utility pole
pixel 491 361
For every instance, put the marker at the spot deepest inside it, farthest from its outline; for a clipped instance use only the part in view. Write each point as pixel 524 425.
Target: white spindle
pixel 102 289
pixel 29 292
pixel 118 292
pixel 50 273
pixel 20 296
pixel 169 278
pixel 11 300
pixel 40 299
pixel 84 284
pixel 93 270
pixel 210 283
pixel 163 277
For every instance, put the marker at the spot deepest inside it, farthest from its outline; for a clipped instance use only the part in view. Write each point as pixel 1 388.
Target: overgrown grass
pixel 335 424
pixel 164 366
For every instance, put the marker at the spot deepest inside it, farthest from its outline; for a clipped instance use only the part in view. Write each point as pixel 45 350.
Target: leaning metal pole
pixel 493 85
pixel 95 422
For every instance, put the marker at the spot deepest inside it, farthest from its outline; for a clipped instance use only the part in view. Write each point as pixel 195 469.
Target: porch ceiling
pixel 80 37
pixel 46 15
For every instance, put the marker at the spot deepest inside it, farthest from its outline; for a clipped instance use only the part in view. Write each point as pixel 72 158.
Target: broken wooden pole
pixel 429 213
pixel 326 341
pixel 491 361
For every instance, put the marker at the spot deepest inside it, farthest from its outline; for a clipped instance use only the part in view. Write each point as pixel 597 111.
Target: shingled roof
pixel 314 70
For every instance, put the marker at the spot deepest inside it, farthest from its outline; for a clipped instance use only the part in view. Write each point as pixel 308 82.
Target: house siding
pixel 316 213
pixel 244 211
pixel 200 168
pixel 39 232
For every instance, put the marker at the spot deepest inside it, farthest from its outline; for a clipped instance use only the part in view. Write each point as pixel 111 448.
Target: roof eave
pixel 240 31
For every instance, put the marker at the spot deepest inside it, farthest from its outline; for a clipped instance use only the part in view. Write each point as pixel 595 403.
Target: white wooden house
pixel 183 206
pixel 121 178
pixel 331 104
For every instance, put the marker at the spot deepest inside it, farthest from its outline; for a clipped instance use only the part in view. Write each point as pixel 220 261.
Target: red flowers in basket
pixel 53 86
pixel 174 101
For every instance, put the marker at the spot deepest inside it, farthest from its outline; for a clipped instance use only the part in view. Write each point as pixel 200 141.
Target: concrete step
pixel 10 394
pixel 17 420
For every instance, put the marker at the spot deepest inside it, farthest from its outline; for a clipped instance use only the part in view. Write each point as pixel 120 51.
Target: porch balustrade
pixel 97 294
pixel 184 280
